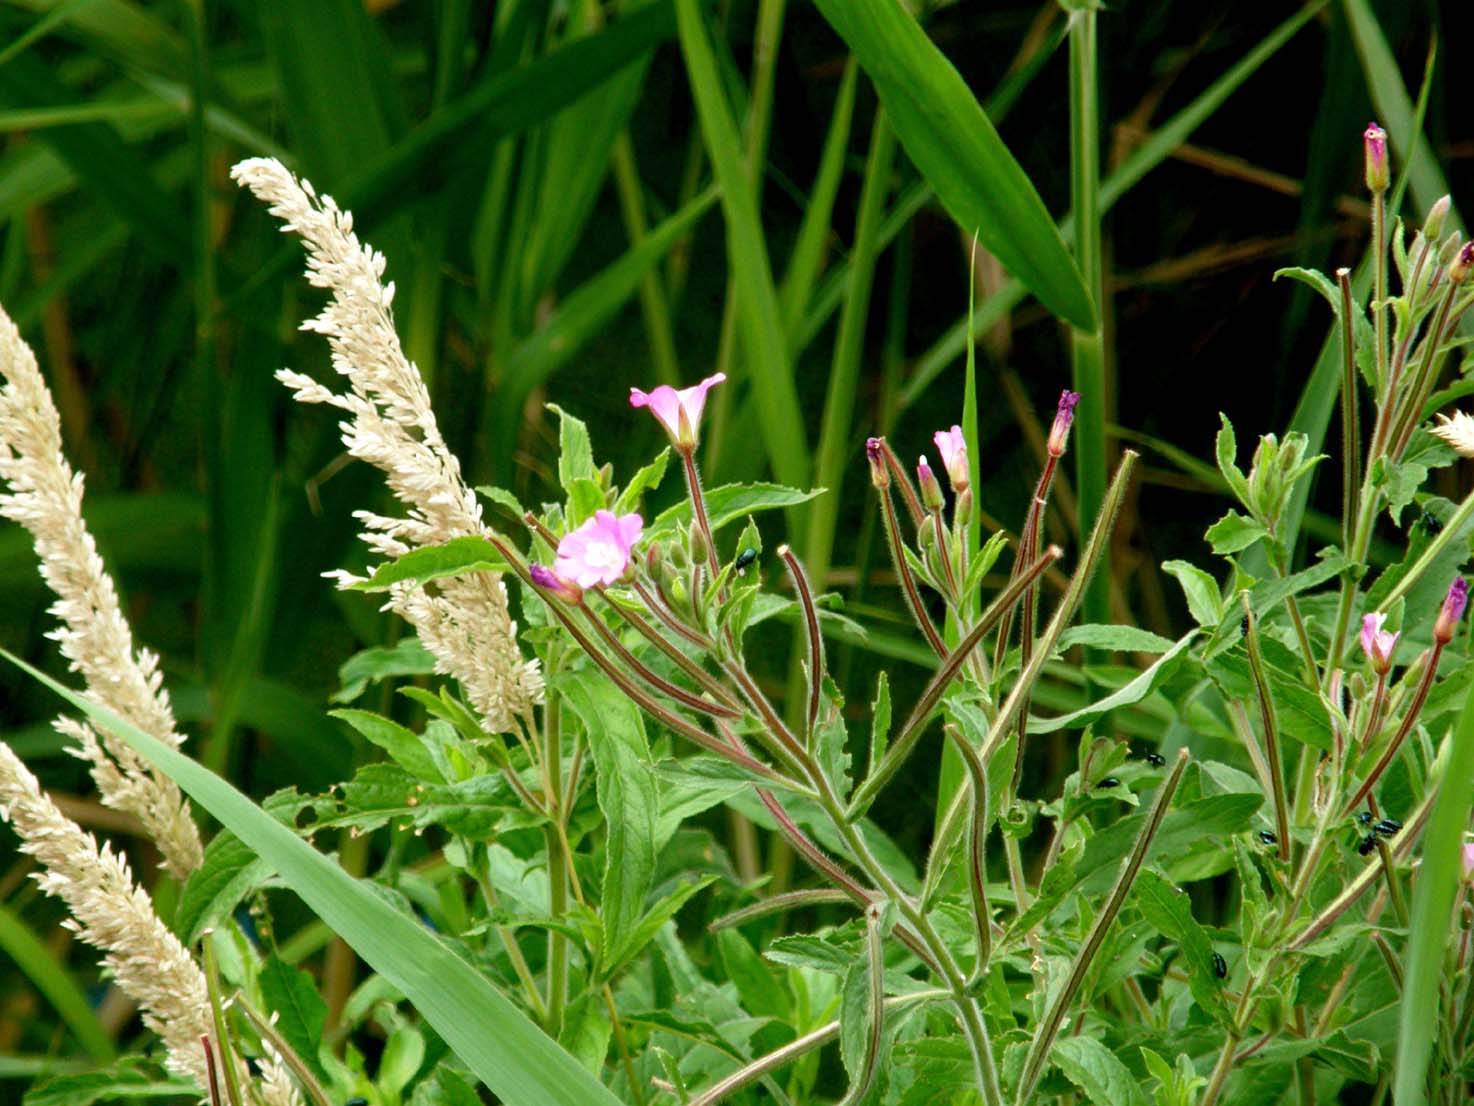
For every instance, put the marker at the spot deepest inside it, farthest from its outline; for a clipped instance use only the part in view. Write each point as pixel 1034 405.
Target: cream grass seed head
pixel 111 912
pixel 39 490
pixel 464 622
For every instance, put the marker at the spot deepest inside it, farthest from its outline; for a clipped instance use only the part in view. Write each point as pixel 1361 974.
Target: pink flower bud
pixel 953 448
pixel 1374 142
pixel 1453 610
pixel 550 581
pixel 1377 643
pixel 1468 858
pixel 598 552
pixel 1064 415
pixel 678 411
pixel 1458 270
pixel 875 452
pixel 931 491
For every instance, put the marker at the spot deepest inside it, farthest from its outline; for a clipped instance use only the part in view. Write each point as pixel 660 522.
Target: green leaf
pixel 1134 692
pixel 452 558
pixel 1123 639
pixel 644 932
pixel 445 1087
pixel 761 993
pixel 1233 533
pixel 1169 911
pixel 575 452
pixel 733 501
pixel 1097 1071
pixel 514 1058
pixel 406 657
pixel 628 799
pixel 1226 451
pixel 130 1079
pixel 1201 591
pixel 290 994
pixel 880 723
pixel 646 480
pixel 951 140
pixel 405 746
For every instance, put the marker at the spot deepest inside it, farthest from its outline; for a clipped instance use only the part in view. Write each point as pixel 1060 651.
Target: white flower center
pixel 602 555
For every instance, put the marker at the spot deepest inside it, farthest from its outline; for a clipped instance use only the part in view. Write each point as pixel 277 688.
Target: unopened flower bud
pixel 1448 253
pixel 931 491
pixel 653 560
pixel 875 453
pixel 1433 224
pixel 1459 269
pixel 698 544
pixel 1453 610
pixel 558 586
pixel 1378 643
pixel 1064 415
pixel 1374 142
pixel 962 512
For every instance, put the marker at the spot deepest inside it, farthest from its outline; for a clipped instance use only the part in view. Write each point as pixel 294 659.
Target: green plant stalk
pixel 977 860
pixel 1049 1026
pixel 931 695
pixel 903 573
pixel 223 1042
pixel 557 866
pixel 1350 423
pixel 731 1084
pixel 1271 730
pixel 1412 407
pixel 813 638
pixel 1433 901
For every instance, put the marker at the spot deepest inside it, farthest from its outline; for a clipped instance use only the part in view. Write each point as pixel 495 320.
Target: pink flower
pixel 1377 643
pixel 1453 610
pixel 953 448
pixel 1469 859
pixel 1064 415
pixel 598 552
pixel 678 411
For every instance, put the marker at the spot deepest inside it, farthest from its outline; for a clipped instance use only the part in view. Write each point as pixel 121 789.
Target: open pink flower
pixel 953 448
pixel 1377 643
pixel 678 411
pixel 598 552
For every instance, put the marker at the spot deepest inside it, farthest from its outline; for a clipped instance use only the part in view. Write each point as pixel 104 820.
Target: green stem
pixel 557 868
pixel 1271 731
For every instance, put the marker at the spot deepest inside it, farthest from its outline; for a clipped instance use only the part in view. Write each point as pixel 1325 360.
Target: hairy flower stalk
pixel 111 912
pixel 464 622
pixel 880 475
pixel 43 494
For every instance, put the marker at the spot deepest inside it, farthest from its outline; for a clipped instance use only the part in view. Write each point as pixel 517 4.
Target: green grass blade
pixel 953 143
pixel 1146 157
pixel 52 980
pixel 581 315
pixel 1432 922
pixel 1087 345
pixel 514 1058
pixel 761 321
pixel 808 252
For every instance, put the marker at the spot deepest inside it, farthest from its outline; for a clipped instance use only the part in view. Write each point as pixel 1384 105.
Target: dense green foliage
pixel 700 853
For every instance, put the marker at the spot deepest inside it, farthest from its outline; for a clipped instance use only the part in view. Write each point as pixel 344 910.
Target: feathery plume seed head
pixel 1458 431
pixel 464 622
pixel 39 490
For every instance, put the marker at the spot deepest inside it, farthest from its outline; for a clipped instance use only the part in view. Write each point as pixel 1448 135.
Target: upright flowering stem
pixel 1377 178
pixel 1271 730
pixel 1350 428
pixel 880 476
pixel 698 509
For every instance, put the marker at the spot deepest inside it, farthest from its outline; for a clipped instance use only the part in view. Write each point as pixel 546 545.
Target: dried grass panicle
pixel 39 490
pixel 465 620
pixel 111 912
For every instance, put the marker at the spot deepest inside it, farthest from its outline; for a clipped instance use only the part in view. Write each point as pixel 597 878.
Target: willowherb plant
pixel 1306 742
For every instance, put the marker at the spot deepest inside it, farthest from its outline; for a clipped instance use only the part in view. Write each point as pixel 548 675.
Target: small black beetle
pixel 1268 838
pixel 1368 843
pixel 1387 827
pixel 1156 760
pixel 1107 783
pixel 1220 966
pixel 1364 818
pixel 744 560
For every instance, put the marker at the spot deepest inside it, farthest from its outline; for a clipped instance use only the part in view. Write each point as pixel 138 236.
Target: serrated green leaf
pixel 1097 1071
pixel 1201 591
pixel 406 657
pixel 405 746
pixel 299 1011
pixel 1168 910
pixel 1234 533
pixel 730 502
pixel 1125 639
pixel 1226 451
pixel 1134 692
pixel 420 566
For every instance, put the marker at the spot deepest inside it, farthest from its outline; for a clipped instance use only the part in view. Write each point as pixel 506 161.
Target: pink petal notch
pixel 678 411
pixel 598 552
